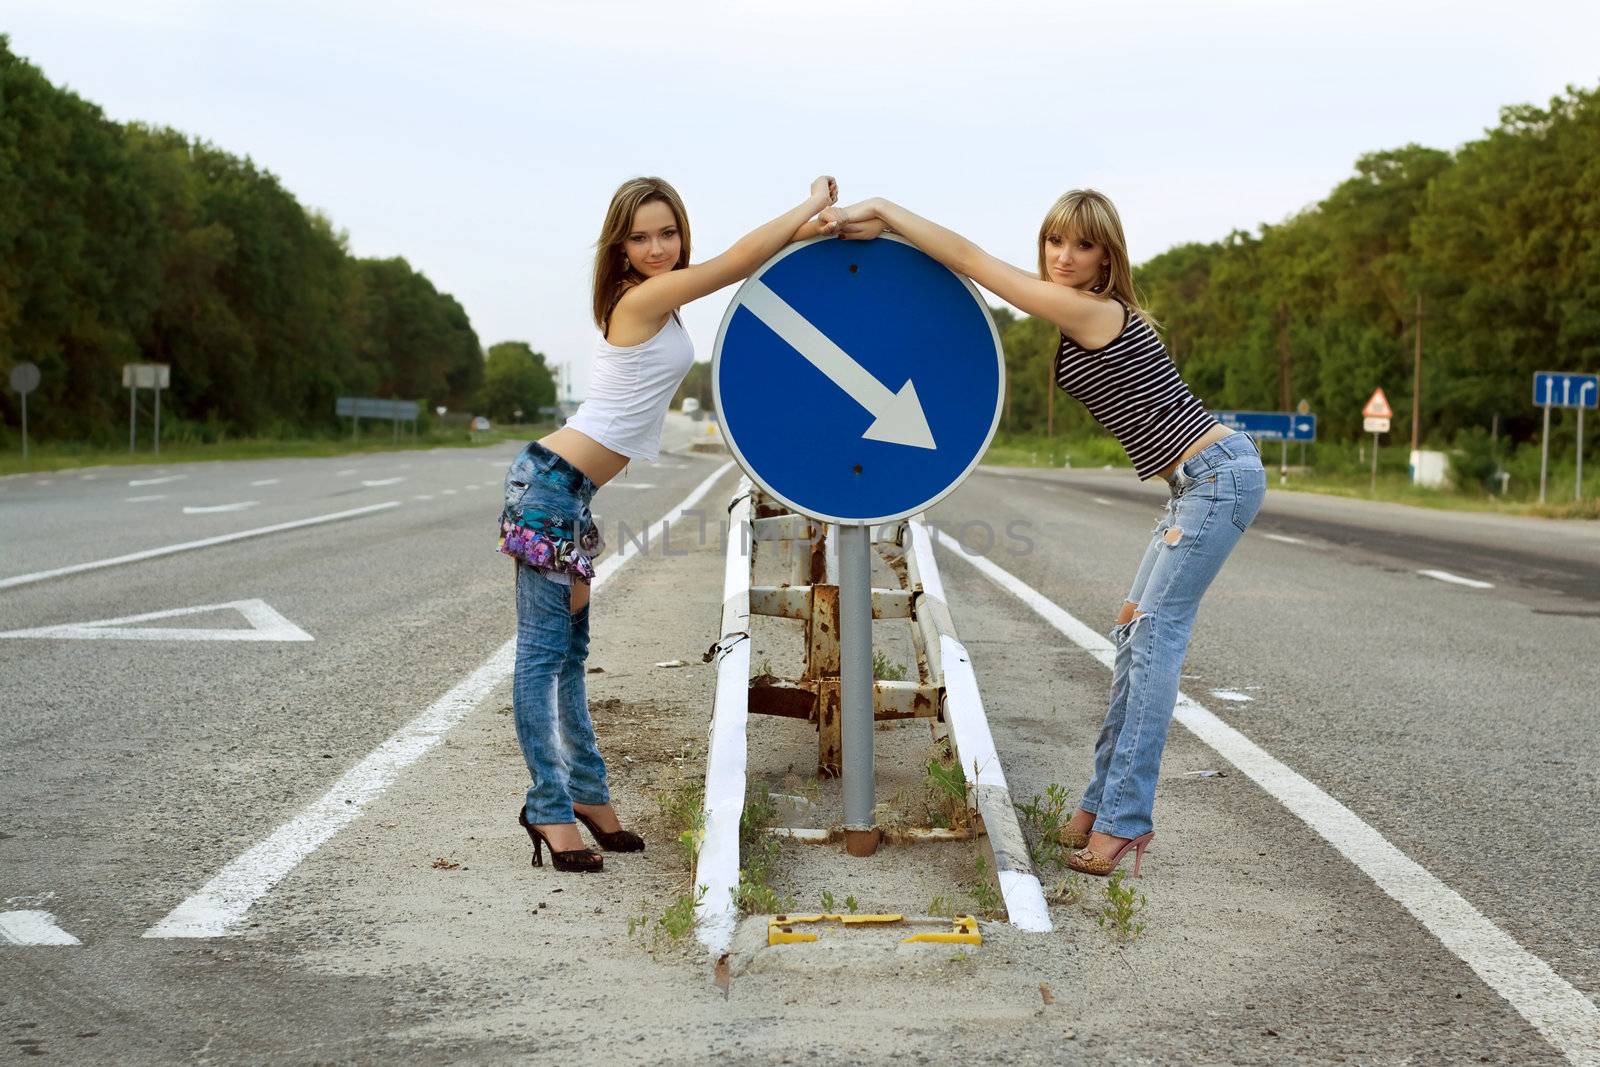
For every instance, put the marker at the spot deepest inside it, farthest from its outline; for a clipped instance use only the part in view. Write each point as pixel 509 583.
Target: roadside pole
pixel 1577 489
pixel 1375 420
pixel 25 379
pixel 855 684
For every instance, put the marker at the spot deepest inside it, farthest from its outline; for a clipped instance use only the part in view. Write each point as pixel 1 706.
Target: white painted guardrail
pixel 717 865
pixel 971 739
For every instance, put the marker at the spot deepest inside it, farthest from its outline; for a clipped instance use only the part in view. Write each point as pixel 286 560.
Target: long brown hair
pixel 1089 214
pixel 611 270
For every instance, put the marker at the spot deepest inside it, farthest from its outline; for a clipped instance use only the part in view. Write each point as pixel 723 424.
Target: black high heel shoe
pixel 617 841
pixel 582 860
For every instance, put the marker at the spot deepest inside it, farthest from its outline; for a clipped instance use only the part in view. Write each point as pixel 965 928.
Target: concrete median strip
pixel 219 907
pixel 1566 1018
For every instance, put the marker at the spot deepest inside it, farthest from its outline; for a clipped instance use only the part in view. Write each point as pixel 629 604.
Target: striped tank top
pixel 1132 388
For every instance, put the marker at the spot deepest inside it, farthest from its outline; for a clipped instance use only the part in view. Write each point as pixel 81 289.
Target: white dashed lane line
pixel 375 482
pixel 145 499
pixel 1232 696
pixel 1456 579
pixel 167 550
pixel 156 481
pixel 1282 538
pixel 1102 501
pixel 212 509
pixel 266 481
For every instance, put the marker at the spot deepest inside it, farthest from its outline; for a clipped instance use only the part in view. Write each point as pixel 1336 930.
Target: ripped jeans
pixel 1215 497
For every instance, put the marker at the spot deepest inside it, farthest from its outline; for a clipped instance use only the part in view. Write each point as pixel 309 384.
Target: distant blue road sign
pixel 1271 425
pixel 1554 389
pixel 857 382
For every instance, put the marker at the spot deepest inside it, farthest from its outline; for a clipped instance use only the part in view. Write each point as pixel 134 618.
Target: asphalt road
pixel 1459 721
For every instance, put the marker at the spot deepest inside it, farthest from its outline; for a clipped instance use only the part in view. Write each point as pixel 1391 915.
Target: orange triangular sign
pixel 1378 407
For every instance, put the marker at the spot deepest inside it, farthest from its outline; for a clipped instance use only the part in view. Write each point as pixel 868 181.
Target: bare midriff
pixel 1201 443
pixel 585 453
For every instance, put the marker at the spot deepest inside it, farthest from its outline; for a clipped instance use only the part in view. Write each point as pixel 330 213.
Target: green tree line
pixel 1499 241
pixel 126 243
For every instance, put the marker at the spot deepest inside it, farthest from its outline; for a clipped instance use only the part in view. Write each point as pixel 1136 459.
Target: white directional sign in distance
pixel 857 381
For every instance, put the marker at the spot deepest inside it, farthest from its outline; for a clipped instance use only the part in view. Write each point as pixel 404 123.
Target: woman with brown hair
pixel 642 276
pixel 1112 360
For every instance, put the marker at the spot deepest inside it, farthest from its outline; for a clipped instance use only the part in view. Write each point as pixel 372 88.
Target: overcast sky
pixel 482 141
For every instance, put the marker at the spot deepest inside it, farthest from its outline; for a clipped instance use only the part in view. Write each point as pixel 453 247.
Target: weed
pixel 946 786
pixel 827 901
pixel 961 956
pixel 764 668
pixel 754 896
pixel 885 669
pixel 1122 907
pixel 984 893
pixel 675 922
pixel 683 808
pixel 850 903
pixel 1042 815
pixel 940 905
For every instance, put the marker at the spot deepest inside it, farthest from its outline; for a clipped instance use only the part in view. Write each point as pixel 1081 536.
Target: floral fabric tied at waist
pixel 545 543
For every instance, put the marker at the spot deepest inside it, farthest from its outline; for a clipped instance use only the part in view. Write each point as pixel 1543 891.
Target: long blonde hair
pixel 1089 214
pixel 611 270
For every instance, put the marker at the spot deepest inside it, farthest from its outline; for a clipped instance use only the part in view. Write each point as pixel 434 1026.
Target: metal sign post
pixel 1555 389
pixel 858 383
pixel 1375 420
pixel 136 376
pixel 24 379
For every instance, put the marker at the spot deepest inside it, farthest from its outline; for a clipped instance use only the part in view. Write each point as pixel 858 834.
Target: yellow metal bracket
pixel 964 931
pixel 781 928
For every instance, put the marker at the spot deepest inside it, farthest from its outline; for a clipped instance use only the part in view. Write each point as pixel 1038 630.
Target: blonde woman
pixel 642 276
pixel 1111 360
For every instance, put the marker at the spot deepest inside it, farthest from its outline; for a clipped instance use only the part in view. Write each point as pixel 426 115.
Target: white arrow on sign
pixel 265 625
pixel 898 417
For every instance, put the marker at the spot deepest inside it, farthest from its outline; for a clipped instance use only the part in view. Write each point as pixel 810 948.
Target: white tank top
pixel 630 388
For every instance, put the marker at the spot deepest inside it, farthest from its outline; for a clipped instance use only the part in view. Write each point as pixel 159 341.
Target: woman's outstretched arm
pixel 1074 312
pixel 653 298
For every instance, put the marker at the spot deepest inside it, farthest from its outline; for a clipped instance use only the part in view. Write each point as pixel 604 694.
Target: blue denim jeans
pixel 1215 497
pixel 548 693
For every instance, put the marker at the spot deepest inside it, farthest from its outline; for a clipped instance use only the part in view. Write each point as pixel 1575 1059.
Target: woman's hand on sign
pixel 858 222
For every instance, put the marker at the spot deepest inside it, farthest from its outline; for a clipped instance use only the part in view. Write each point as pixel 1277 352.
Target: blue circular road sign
pixel 857 381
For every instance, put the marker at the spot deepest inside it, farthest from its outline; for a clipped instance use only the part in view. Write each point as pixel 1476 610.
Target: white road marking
pixel 87 477
pixel 1232 696
pixel 1568 1020
pixel 167 550
pixel 375 482
pixel 218 907
pixel 341 474
pixel 1102 500
pixel 1285 540
pixel 266 481
pixel 212 509
pixel 469 487
pixel 448 492
pixel 423 496
pixel 33 928
pixel 1456 579
pixel 266 624
pixel 145 499
pixel 156 481
pixel 632 485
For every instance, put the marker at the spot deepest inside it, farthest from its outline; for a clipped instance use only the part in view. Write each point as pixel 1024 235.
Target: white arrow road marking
pixel 33 928
pixel 375 482
pixel 217 908
pixel 156 481
pixel 1456 579
pixel 212 509
pixel 899 419
pixel 265 625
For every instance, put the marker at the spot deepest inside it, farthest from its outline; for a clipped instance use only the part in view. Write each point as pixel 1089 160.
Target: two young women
pixel 1110 359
